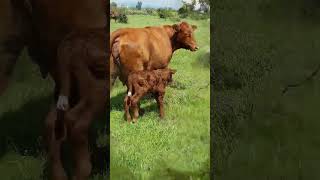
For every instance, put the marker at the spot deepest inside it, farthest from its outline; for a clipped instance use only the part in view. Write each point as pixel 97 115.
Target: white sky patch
pixel 190 1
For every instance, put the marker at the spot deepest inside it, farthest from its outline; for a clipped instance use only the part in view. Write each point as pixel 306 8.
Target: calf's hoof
pixel 135 120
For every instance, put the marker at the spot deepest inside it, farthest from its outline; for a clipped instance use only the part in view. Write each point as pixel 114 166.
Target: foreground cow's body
pixel 142 82
pixel 82 55
pixel 149 48
pixel 40 25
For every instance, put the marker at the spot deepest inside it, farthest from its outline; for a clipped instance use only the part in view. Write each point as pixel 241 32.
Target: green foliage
pixel 165 13
pixel 187 10
pixel 151 11
pixel 123 18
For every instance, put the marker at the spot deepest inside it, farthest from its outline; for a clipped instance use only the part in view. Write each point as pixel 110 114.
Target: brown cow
pixel 82 55
pixel 40 25
pixel 142 82
pixel 149 48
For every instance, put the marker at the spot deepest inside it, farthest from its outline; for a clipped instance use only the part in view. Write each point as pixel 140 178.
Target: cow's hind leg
pixel 54 146
pixel 80 145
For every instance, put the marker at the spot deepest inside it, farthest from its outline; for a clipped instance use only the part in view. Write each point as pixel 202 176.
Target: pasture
pixel 260 133
pixel 178 146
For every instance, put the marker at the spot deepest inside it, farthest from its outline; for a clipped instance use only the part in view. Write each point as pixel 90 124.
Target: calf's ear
pixel 172 71
pixel 194 27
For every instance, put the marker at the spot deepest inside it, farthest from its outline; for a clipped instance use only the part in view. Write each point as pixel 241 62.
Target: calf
pixel 142 82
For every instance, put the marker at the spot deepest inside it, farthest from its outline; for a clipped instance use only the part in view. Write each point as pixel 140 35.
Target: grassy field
pixel 178 146
pixel 259 133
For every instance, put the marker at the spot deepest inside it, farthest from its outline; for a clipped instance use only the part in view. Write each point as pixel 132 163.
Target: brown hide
pixel 136 49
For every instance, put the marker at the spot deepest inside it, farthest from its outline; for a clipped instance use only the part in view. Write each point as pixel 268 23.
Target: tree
pixel 139 5
pixel 113 5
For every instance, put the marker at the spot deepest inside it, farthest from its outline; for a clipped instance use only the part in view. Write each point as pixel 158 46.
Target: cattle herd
pixel 72 50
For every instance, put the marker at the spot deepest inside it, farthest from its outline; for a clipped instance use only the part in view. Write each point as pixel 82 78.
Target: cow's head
pixel 184 36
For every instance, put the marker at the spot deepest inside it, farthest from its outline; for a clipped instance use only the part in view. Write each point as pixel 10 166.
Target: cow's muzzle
pixel 194 48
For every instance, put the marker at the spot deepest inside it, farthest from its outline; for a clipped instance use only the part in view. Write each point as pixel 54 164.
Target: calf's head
pixel 184 36
pixel 167 74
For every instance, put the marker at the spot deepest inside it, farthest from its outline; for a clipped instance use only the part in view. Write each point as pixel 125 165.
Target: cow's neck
pixel 172 36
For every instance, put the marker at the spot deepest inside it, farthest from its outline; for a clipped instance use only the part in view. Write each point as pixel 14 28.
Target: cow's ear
pixel 194 27
pixel 176 27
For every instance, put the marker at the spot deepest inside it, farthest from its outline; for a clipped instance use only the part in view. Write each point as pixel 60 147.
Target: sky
pixel 175 4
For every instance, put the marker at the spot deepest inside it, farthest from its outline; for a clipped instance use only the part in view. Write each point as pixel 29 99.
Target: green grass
pixel 258 132
pixel 178 146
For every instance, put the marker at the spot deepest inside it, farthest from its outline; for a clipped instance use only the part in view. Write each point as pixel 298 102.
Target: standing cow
pixel 40 25
pixel 149 48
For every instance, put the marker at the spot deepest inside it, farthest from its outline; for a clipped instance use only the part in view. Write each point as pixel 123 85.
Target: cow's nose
pixel 196 48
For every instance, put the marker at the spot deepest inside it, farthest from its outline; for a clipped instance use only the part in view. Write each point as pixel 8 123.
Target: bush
pixel 123 18
pixel 151 12
pixel 164 14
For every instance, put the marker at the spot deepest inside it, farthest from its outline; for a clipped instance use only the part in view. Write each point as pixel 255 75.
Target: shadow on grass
pixel 22 130
pixel 165 172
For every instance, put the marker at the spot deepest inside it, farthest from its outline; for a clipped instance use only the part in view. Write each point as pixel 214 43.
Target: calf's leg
pixel 159 99
pixel 135 105
pixel 127 108
pixel 54 146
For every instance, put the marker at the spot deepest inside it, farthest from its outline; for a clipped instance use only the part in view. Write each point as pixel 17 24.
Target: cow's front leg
pixel 159 98
pixel 54 146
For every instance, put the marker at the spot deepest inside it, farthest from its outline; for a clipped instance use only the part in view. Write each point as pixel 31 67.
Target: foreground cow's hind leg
pixel 80 146
pixel 54 147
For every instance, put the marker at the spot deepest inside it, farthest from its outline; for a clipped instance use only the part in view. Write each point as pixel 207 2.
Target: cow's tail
pixel 114 56
pixel 115 35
